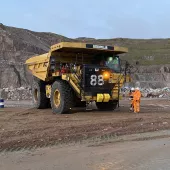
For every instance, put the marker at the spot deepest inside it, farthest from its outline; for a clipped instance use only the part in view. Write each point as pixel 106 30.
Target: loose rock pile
pixel 156 93
pixel 150 93
pixel 22 93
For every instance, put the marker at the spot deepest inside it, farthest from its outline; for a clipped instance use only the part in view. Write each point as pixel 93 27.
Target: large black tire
pixel 106 106
pixel 66 97
pixel 40 101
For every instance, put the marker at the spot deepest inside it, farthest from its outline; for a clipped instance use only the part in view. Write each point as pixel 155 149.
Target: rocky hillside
pixel 16 45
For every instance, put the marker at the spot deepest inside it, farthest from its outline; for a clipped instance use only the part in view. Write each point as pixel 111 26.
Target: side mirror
pixel 53 64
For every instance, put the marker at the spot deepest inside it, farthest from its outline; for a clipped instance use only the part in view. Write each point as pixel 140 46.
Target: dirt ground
pixel 25 127
pixel 131 154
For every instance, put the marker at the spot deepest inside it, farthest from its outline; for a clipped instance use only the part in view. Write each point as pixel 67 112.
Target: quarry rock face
pixel 155 76
pixel 17 45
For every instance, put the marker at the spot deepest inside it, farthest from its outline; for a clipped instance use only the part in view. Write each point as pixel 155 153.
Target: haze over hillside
pixel 17 45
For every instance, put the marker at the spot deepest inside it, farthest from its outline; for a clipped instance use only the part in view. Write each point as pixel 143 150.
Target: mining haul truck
pixel 75 74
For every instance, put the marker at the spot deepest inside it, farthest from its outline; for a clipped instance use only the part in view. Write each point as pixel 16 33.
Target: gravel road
pixel 136 154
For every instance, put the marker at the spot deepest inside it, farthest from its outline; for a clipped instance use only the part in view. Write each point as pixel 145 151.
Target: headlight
pixel 106 75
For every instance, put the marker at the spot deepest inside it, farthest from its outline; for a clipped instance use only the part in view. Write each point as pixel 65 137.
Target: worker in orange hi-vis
pixel 132 90
pixel 136 98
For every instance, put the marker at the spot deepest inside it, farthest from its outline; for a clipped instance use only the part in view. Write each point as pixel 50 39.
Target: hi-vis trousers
pixel 137 106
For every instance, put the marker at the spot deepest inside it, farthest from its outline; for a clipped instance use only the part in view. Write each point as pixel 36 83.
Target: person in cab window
pixel 113 63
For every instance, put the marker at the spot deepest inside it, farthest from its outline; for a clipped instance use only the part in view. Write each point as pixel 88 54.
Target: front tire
pixel 106 106
pixel 61 97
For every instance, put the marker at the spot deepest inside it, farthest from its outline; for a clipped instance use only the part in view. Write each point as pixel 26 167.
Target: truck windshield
pixel 113 63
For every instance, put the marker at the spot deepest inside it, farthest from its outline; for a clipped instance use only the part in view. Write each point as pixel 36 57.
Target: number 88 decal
pixel 96 80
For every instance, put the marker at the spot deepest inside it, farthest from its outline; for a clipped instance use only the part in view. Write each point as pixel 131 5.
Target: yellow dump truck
pixel 75 74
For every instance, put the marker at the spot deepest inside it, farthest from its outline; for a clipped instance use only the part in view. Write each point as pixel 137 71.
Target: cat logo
pixel 100 46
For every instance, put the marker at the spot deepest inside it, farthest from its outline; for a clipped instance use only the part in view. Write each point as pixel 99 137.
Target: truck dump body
pixel 38 65
pixel 71 47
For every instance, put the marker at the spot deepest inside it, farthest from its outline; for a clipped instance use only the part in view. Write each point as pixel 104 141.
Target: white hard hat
pixel 132 89
pixel 137 88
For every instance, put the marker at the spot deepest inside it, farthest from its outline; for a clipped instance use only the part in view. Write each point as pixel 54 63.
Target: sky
pixel 90 18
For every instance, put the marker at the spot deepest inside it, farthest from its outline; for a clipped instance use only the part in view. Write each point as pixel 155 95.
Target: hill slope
pixel 17 45
pixel 148 52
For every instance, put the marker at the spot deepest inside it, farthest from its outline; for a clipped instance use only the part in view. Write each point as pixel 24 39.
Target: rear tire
pixel 61 97
pixel 40 101
pixel 105 106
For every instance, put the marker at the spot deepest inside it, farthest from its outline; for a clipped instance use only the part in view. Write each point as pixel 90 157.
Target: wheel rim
pixel 36 95
pixel 56 98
